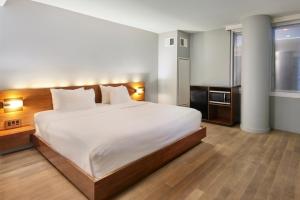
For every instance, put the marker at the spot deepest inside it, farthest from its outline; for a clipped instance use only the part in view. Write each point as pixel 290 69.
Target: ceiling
pixel 167 15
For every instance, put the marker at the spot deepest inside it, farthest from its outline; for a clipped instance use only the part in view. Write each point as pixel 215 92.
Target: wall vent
pixel 170 42
pixel 184 42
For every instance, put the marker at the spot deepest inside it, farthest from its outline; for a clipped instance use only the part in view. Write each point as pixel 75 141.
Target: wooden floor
pixel 229 164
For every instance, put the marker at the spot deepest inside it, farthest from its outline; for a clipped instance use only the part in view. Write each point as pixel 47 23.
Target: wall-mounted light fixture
pixel 13 104
pixel 139 90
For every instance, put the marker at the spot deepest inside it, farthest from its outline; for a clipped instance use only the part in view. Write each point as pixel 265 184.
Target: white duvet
pixel 105 138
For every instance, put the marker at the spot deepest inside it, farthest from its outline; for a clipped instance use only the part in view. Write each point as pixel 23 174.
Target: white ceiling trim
pixel 275 20
pixel 286 18
pixel 233 27
pixel 2 2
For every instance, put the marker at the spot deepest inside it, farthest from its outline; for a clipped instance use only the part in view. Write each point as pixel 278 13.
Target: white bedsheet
pixel 105 138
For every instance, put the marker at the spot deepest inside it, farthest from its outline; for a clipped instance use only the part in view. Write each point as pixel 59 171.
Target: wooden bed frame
pixel 36 100
pixel 39 99
pixel 123 177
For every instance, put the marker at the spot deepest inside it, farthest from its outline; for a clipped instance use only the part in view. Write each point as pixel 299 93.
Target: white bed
pixel 105 138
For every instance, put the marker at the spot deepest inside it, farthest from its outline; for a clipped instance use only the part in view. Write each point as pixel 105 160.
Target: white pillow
pixel 90 98
pixel 55 93
pixel 105 93
pixel 66 100
pixel 119 95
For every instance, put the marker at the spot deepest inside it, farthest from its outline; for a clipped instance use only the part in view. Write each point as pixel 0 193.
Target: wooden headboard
pixel 36 100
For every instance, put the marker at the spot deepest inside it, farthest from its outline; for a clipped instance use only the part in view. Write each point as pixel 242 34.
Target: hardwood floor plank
pixel 229 164
pixel 262 166
pixel 196 194
pixel 268 177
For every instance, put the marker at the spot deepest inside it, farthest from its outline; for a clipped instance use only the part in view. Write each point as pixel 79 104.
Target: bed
pixel 104 150
pixel 108 137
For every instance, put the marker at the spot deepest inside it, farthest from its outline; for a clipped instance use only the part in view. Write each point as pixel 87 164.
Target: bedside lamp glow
pixel 139 90
pixel 11 105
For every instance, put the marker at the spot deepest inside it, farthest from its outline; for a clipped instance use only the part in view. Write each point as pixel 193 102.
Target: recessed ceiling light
pixel 288 36
pixel 285 29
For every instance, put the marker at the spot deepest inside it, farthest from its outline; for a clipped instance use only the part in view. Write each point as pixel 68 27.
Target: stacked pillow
pixel 114 95
pixel 79 99
pixel 105 93
pixel 69 100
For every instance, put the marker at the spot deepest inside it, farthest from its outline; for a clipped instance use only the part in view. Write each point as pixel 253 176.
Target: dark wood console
pixel 219 105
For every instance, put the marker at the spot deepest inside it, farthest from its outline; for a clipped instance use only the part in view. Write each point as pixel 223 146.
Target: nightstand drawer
pixel 15 139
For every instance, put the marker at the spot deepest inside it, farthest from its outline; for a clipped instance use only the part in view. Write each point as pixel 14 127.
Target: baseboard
pixel 253 130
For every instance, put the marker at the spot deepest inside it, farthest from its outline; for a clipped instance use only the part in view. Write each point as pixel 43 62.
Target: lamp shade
pixel 139 90
pixel 13 104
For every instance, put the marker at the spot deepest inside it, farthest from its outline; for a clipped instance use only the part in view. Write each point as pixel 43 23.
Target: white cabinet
pixel 183 82
pixel 174 69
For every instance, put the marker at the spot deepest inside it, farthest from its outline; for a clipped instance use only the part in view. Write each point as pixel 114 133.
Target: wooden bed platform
pixel 36 100
pixel 122 178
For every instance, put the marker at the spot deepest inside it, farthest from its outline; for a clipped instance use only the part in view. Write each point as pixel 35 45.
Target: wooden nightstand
pixel 16 139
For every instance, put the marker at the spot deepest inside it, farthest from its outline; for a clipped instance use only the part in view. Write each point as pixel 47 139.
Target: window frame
pixel 232 32
pixel 273 91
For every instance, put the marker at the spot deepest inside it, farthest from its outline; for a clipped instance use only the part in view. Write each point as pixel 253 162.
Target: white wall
pixel 285 114
pixel 168 76
pixel 167 70
pixel 42 46
pixel 210 58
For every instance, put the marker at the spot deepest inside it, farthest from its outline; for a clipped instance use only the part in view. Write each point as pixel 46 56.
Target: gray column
pixel 256 65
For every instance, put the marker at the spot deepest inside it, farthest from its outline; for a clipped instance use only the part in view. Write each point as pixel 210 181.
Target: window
pixel 237 40
pixel 287 58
